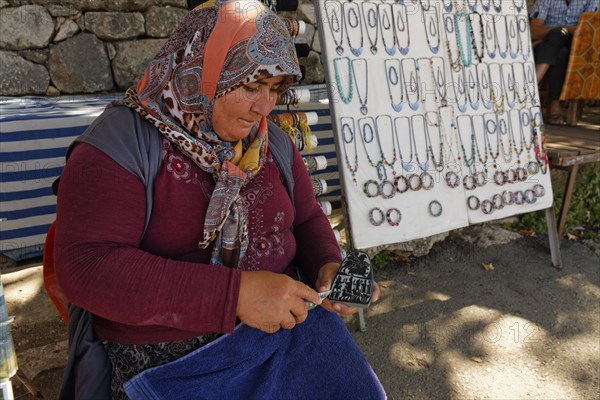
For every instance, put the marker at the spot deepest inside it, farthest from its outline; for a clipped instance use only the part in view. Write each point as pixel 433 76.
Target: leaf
pixel 572 235
pixel 527 232
pixel 384 285
pixel 476 359
pixel 488 267
pixel 411 273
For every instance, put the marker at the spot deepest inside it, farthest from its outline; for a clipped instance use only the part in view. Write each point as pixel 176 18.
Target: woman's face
pixel 238 111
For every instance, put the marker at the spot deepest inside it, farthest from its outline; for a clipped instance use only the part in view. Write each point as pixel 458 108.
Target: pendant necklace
pixel 510 27
pixel 522 99
pixel 472 4
pixel 349 139
pixel 335 19
pixel 490 126
pixel 401 27
pixel 483 73
pixel 503 130
pixel 425 165
pixel 423 5
pixel 459 91
pixel 497 100
pixel 386 18
pixel 497 38
pixel 497 6
pixel 345 98
pixel 406 166
pixel 490 42
pixel 432 30
pixel 508 84
pixel 372 22
pixel 525 123
pixel 483 160
pixel 394 79
pixel 447 5
pixel 486 5
pixel 469 161
pixel 353 20
pixel 524 37
pixel 473 87
pixel 361 64
pixel 412 82
pixel 439 79
pixel 519 4
pixel 518 151
pixel 453 147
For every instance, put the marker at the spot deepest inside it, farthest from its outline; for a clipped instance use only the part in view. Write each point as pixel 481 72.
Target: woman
pixel 170 252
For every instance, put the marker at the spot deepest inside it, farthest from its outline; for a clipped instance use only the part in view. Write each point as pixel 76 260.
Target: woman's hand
pixel 269 301
pixel 324 281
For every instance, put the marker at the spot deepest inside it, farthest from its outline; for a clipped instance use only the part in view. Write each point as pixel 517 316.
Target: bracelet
pixel 435 208
pixel 518 197
pixel 499 178
pixel 376 222
pixel 452 179
pixel 366 188
pixel 533 167
pixel 393 216
pixel 508 197
pixel 521 174
pixel 473 203
pixel 401 184
pixel 487 207
pixel 469 182
pixel 390 193
pixel 564 31
pixel 529 196
pixel 426 181
pixel 498 201
pixel 509 176
pixel 539 190
pixel 480 179
pixel 414 182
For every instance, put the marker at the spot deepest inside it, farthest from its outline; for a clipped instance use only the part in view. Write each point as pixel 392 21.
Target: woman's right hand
pixel 269 301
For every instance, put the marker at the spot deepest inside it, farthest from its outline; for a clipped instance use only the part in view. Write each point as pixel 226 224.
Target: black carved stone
pixel 353 284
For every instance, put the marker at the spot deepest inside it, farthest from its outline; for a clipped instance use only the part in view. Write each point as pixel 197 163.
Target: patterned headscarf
pixel 219 46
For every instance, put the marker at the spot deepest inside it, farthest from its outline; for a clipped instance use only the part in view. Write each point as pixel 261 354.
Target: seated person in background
pixel 553 23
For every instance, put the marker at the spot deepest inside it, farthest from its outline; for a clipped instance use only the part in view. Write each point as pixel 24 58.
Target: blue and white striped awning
pixel 35 133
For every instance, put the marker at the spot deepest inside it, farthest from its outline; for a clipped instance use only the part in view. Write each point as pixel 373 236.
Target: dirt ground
pixel 445 328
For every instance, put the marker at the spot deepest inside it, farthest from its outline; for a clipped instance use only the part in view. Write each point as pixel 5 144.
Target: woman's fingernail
pixel 337 307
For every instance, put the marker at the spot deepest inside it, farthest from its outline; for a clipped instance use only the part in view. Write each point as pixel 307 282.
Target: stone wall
pixel 52 47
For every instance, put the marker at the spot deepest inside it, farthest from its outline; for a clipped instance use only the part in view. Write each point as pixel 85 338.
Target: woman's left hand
pixel 324 281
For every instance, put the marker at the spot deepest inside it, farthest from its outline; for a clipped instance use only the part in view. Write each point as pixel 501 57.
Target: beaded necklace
pixel 413 143
pixel 372 22
pixel 459 91
pixel 482 159
pixel 522 99
pixel 433 31
pixel 439 79
pixel 346 99
pixel 354 21
pixel 394 78
pixel 530 82
pixel 361 63
pixel 503 130
pixel 469 161
pixel 455 63
pixel 452 139
pixel 413 81
pixel 497 101
pixel 368 129
pixel 537 132
pixel 336 23
pixel 349 139
pixel 439 164
pixel 387 27
pixel 518 150
pixel 490 126
pixel 525 122
pixel 401 26
pixel 378 128
pixel 466 53
pixel 478 53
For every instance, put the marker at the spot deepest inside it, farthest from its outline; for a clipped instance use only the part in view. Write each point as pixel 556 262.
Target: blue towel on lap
pixel 318 359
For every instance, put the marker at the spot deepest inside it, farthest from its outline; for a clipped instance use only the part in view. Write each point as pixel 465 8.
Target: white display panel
pixel 431 92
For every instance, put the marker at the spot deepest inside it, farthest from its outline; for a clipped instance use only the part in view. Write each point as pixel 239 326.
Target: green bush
pixel 583 217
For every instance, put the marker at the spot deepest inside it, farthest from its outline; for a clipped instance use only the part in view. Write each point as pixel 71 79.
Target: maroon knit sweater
pixel 159 286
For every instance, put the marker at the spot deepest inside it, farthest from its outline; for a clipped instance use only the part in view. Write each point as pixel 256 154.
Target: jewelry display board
pixel 435 113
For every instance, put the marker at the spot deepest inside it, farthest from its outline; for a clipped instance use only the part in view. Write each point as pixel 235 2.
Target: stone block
pixel 115 25
pixel 132 58
pixel 66 30
pixel 26 27
pixel 21 77
pixel 162 21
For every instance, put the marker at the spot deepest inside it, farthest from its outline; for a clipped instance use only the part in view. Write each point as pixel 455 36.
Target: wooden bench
pixel 568 148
